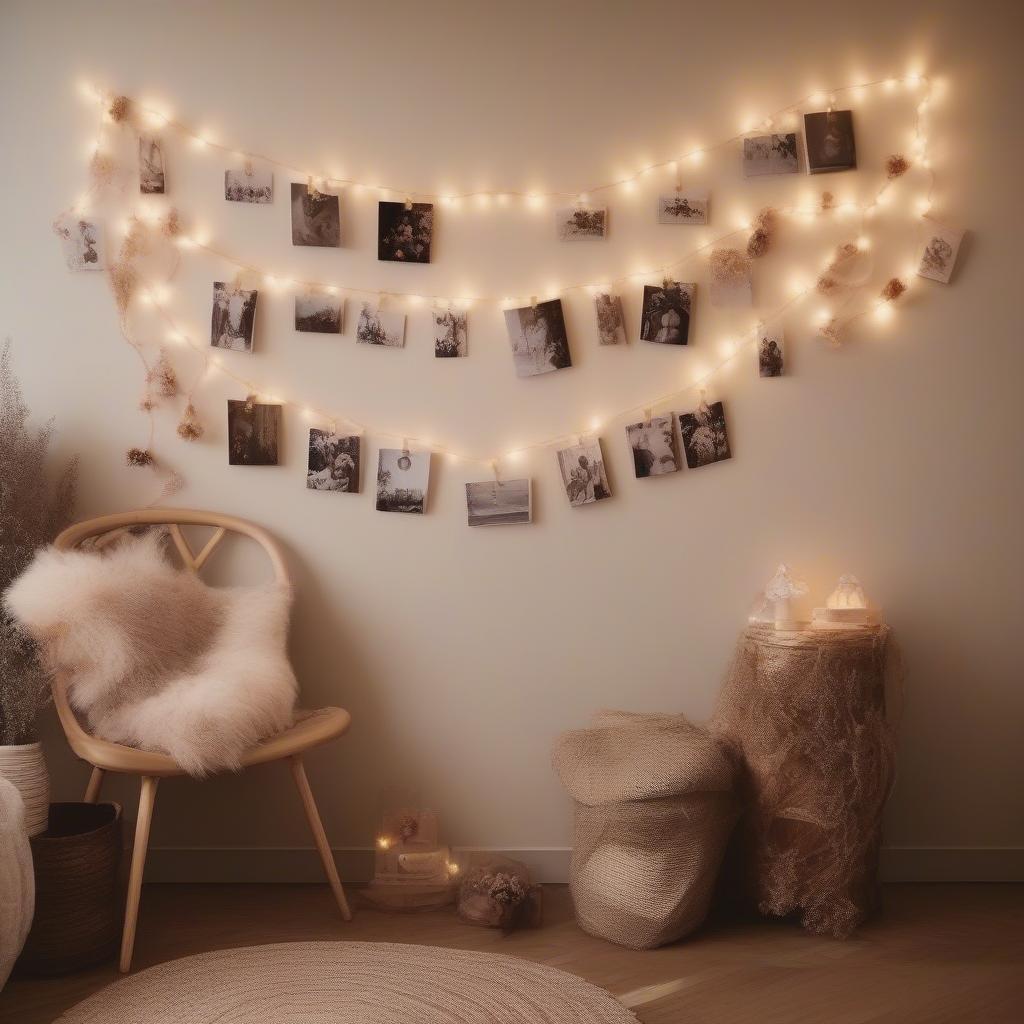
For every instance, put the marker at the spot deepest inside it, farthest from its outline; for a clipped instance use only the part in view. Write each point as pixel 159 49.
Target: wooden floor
pixel 939 953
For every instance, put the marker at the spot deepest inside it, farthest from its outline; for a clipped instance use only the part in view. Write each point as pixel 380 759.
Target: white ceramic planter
pixel 17 882
pixel 24 765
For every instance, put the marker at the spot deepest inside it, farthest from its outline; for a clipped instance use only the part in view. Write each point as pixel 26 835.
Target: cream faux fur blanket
pixel 156 659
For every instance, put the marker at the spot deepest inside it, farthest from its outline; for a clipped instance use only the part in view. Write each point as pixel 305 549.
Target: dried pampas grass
pixel 729 266
pixel 172 224
pixel 827 284
pixel 893 289
pixel 760 240
pixel 896 166
pixel 163 378
pixel 189 426
pixel 123 280
pixel 832 332
pixel 139 457
pixel 120 109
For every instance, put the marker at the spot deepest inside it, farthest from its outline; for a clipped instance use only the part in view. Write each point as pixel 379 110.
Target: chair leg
pixel 319 836
pixel 147 797
pixel 92 791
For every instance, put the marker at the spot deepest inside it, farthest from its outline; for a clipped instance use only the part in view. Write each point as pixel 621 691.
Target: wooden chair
pixel 309 731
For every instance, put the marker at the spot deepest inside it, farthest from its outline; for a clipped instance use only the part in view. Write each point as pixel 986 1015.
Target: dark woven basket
pixel 77 920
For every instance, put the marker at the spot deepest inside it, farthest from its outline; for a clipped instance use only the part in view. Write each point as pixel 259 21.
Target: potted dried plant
pixel 32 513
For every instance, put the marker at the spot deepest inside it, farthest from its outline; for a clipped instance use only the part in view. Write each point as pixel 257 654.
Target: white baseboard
pixel 546 864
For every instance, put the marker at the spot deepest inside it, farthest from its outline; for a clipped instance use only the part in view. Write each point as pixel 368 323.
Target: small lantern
pixel 845 608
pixel 781 589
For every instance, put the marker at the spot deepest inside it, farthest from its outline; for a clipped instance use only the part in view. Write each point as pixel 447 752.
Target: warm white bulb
pixel 883 312
pixel 863 243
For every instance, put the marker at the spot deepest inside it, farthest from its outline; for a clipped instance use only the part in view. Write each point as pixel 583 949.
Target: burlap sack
pixel 654 806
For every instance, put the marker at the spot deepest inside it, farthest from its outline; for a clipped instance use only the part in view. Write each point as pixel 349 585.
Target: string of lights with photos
pixel 155 293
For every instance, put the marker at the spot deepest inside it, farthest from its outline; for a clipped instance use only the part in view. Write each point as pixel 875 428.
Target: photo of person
pixel 830 142
pixel 665 317
pixel 611 326
pixel 583 473
pixel 770 154
pixel 318 312
pixel 679 208
pixel 653 444
pixel 769 354
pixel 538 338
pixel 234 317
pixel 82 242
pixel 151 166
pixel 249 185
pixel 402 480
pixel 705 439
pixel 405 232
pixel 316 217
pixel 333 462
pixel 253 433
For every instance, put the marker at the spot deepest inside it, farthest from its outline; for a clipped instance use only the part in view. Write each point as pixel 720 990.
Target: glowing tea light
pixel 845 608
pixel 453 868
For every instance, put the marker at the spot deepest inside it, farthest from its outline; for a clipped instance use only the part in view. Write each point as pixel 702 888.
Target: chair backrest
pixel 109 527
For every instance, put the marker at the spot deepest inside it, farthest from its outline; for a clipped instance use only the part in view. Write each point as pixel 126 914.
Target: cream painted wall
pixel 460 652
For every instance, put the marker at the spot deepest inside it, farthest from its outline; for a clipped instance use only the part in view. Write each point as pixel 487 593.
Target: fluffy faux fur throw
pixel 156 659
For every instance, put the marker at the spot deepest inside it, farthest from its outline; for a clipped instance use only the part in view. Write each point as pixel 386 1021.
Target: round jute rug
pixel 349 983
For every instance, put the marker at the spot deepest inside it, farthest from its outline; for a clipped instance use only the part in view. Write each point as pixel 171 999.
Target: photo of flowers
pixel 574 223
pixel 249 185
pixel 705 439
pixel 611 327
pixel 82 242
pixel 680 208
pixel 940 252
pixel 378 326
pixel 405 232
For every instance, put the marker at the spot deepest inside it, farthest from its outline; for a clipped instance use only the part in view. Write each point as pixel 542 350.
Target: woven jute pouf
pixel 350 983
pixel 654 806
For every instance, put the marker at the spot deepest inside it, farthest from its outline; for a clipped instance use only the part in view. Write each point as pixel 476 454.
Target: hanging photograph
pixel 378 326
pixel 665 317
pixel 333 462
pixel 939 256
pixel 234 317
pixel 402 480
pixel 770 154
pixel 769 353
pixel 404 235
pixel 575 223
pixel 539 341
pixel 316 217
pixel 318 312
pixel 254 432
pixel 82 243
pixel 653 444
pixel 499 503
pixel 583 472
pixel 830 144
pixel 705 439
pixel 680 208
pixel 151 166
pixel 249 185
pixel 611 327
pixel 451 338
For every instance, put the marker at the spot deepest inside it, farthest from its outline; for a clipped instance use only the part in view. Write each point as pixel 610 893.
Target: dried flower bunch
pixel 171 225
pixel 896 166
pixel 139 457
pixel 32 513
pixel 729 265
pixel 190 428
pixel 828 282
pixel 893 289
pixel 162 377
pixel 760 240
pixel 120 109
pixel 828 201
pixel 499 886
pixel 831 331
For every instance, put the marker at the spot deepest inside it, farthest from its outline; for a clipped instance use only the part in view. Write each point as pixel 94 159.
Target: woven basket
pixel 77 921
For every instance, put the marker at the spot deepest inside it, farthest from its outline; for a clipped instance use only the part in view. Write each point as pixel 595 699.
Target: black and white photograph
pixel 254 433
pixel 769 353
pixel 319 312
pixel 578 223
pixel 683 208
pixel 316 217
pixel 249 185
pixel 405 232
pixel 333 462
pixel 152 179
pixel 611 325
pixel 451 337
pixel 538 337
pixel 234 317
pixel 402 480
pixel 82 243
pixel 939 256
pixel 499 503
pixel 653 444
pixel 705 439
pixel 770 154
pixel 665 317
pixel 583 473
pixel 830 143
pixel 379 326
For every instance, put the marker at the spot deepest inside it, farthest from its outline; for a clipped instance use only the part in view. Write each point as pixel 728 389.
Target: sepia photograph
pixel 583 472
pixel 319 312
pixel 316 217
pixel 499 503
pixel 405 232
pixel 82 244
pixel 830 143
pixel 705 439
pixel 402 480
pixel 575 223
pixel 653 444
pixel 611 326
pixel 665 317
pixel 769 353
pixel 939 256
pixel 152 181
pixel 680 208
pixel 333 462
pixel 539 341
pixel 770 154
pixel 378 326
pixel 249 185
pixel 451 338
pixel 254 433
pixel 234 317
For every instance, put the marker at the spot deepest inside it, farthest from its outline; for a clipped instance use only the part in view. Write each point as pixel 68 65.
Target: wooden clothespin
pixel 408 203
pixel 249 169
pixel 311 189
